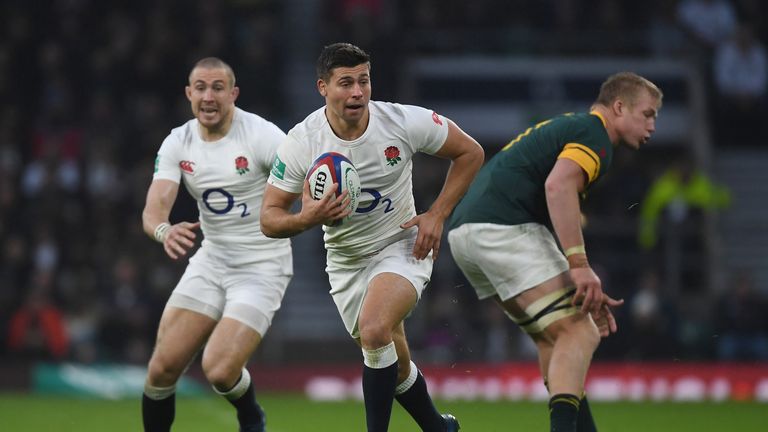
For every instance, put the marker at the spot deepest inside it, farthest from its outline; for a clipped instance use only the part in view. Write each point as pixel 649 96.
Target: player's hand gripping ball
pixel 330 168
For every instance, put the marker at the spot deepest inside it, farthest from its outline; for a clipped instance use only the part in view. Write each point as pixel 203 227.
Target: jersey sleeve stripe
pixel 584 156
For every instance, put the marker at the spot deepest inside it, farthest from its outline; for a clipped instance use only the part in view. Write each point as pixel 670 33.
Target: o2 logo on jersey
pixel 213 194
pixel 377 199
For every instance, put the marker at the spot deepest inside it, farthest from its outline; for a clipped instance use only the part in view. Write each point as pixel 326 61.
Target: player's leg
pixel 411 391
pixel 254 293
pixel 389 298
pixel 522 265
pixel 180 336
pixel 566 339
pixel 575 340
pixel 571 356
pixel 226 354
pixel 585 422
pixel 567 372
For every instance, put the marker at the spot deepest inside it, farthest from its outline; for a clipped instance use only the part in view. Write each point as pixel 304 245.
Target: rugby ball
pixel 330 168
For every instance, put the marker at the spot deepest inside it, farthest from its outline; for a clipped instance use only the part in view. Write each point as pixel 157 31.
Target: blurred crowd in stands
pixel 91 88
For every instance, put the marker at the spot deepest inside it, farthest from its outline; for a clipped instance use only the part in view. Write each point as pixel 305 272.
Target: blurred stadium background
pixel 678 229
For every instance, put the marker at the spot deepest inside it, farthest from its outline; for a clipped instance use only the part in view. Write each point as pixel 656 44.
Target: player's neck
pixel 608 120
pixel 217 132
pixel 346 130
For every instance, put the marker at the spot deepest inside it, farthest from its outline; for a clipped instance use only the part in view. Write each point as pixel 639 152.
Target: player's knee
pixel 588 332
pixel 222 377
pixel 577 328
pixel 221 373
pixel 162 373
pixel 592 335
pixel 374 335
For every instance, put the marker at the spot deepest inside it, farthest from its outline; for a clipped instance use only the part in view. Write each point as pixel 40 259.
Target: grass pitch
pixel 292 413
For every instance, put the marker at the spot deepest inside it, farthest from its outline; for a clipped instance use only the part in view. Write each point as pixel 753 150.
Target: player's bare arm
pixel 562 188
pixel 278 221
pixel 467 156
pixel 177 239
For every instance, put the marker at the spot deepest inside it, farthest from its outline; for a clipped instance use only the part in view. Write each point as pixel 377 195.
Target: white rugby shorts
pixel 350 285
pixel 505 259
pixel 249 293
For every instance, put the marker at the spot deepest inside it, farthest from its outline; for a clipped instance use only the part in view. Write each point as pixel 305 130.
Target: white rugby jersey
pixel 382 157
pixel 227 178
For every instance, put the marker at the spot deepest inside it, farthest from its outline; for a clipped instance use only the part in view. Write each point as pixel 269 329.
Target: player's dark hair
pixel 215 63
pixel 627 86
pixel 339 54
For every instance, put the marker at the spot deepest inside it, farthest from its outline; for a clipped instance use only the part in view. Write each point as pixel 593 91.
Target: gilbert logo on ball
pixel 330 168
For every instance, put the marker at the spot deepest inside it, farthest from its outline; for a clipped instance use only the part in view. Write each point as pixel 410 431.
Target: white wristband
pixel 161 232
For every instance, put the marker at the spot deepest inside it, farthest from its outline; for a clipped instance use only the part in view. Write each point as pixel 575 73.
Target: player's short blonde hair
pixel 215 63
pixel 626 86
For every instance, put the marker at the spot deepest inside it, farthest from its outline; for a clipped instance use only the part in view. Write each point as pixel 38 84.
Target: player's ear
pixel 235 93
pixel 321 88
pixel 188 92
pixel 618 107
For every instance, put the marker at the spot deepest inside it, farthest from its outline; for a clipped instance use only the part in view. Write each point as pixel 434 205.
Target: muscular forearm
pixel 279 223
pixel 565 213
pixel 160 198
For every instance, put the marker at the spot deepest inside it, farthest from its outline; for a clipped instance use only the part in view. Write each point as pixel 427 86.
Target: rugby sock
pixel 158 408
pixel 242 397
pixel 413 396
pixel 379 381
pixel 585 422
pixel 563 411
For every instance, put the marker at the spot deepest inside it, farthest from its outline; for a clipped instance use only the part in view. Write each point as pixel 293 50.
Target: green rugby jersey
pixel 509 189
